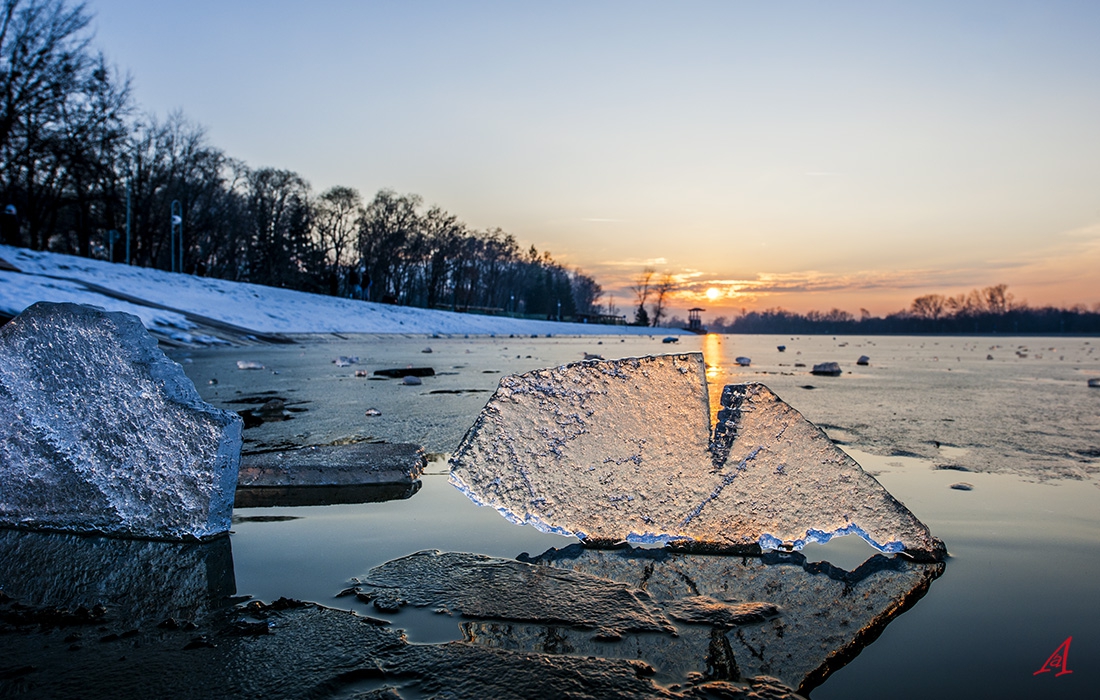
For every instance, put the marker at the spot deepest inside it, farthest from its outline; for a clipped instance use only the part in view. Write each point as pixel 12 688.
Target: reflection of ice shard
pixel 826 615
pixel 727 618
pixel 100 432
pixel 621 450
pixel 137 581
pixel 485 587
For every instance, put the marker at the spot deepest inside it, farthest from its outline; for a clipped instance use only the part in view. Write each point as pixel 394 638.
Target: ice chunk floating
pixel 100 432
pixel 622 450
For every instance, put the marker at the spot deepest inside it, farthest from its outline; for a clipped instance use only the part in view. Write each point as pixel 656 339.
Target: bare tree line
pixel 988 310
pixel 78 161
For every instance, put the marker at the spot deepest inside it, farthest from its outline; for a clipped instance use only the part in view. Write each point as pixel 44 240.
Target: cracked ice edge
pixel 768 541
pixel 527 519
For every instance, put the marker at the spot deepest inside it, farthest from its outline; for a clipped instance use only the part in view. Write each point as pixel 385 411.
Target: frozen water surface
pixel 621 450
pixel 102 433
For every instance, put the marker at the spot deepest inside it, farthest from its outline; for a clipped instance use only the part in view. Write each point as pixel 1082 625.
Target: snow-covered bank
pixel 55 277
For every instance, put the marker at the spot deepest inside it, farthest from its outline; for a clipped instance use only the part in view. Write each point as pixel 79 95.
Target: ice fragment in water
pixel 100 432
pixel 622 450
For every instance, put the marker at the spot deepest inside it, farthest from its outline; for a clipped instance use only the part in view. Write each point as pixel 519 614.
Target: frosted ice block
pixel 100 432
pixel 621 450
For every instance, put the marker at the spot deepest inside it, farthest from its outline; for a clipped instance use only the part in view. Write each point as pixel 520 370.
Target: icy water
pixel 926 413
pixel 1022 428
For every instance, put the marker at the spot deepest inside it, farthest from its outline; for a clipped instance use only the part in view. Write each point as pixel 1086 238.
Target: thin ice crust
pixel 620 450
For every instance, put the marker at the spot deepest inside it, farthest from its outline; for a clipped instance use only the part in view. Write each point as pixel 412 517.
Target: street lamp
pixel 177 231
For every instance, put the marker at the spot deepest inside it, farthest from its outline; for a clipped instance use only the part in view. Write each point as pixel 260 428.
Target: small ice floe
pixel 1095 382
pixel 592 356
pixel 826 369
pixel 781 348
pixel 743 361
pixel 343 361
pixel 411 381
pixel 362 373
pixel 405 372
pixel 863 360
pixel 372 412
pixel 426 350
pixel 962 486
pixel 249 364
pixel 327 474
pixel 670 339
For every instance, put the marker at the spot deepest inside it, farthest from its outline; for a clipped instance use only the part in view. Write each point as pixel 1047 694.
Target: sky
pixel 802 155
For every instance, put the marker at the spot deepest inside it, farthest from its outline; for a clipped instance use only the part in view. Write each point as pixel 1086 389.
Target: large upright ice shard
pixel 100 432
pixel 621 450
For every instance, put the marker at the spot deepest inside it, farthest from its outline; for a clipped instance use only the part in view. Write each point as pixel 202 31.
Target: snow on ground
pixel 55 277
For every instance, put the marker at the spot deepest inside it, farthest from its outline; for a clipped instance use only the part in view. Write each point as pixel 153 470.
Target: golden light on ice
pixel 713 293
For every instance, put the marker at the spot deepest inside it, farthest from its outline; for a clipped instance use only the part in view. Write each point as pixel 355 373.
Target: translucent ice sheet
pixel 621 450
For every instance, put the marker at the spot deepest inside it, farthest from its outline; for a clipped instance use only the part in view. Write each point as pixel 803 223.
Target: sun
pixel 713 293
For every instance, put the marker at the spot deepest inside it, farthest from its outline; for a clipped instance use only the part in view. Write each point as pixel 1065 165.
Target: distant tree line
pixel 79 161
pixel 986 311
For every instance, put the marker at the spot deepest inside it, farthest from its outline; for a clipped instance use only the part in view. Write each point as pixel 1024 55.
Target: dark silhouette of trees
pixel 990 310
pixel 930 306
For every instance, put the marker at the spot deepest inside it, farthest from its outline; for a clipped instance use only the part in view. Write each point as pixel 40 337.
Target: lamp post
pixel 129 193
pixel 112 236
pixel 177 233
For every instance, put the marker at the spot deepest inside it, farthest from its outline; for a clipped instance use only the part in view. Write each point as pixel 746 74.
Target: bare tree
pixel 929 306
pixel 613 310
pixel 339 211
pixel 666 286
pixel 641 296
pixel 997 299
pixel 44 50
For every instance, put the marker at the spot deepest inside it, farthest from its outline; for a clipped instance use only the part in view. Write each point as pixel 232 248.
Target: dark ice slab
pixel 329 474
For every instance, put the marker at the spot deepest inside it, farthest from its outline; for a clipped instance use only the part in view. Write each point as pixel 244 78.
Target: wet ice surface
pixel 621 450
pixel 100 432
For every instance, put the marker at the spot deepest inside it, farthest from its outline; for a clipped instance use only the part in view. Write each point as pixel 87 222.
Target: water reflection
pixel 137 581
pixel 734 618
pixel 827 615
pixel 272 496
pixel 688 618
